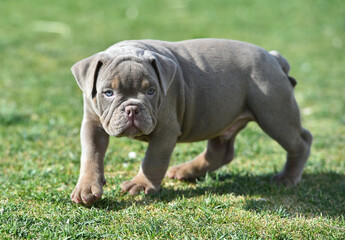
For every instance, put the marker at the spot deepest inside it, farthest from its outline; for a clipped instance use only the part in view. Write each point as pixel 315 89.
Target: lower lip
pixel 131 130
pixel 136 123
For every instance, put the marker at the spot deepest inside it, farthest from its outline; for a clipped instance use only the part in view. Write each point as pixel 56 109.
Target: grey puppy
pixel 169 92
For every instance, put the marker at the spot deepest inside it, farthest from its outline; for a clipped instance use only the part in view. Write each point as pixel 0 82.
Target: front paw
pixel 139 183
pixel 285 179
pixel 88 191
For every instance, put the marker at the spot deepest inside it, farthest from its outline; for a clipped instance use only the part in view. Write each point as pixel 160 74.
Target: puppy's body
pixel 202 89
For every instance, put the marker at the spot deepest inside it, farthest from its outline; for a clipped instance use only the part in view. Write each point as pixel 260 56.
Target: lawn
pixel 41 112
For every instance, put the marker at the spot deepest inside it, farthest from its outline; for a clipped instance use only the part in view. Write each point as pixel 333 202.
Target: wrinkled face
pixel 127 99
pixel 125 86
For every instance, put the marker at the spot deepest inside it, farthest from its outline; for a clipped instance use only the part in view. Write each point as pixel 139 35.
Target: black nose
pixel 132 111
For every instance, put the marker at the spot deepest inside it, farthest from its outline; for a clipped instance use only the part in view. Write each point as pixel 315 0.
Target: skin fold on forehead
pixel 126 75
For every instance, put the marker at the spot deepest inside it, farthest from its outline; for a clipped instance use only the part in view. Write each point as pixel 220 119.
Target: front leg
pixel 153 167
pixel 94 143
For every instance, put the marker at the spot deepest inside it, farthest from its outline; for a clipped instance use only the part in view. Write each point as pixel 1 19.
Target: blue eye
pixel 151 91
pixel 109 93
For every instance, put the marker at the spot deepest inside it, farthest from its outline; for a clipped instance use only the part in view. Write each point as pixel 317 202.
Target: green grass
pixel 41 111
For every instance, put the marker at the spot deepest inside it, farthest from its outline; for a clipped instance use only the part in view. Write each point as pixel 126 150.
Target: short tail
pixel 284 65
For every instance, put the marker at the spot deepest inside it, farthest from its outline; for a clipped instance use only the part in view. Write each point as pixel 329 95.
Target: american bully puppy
pixel 170 92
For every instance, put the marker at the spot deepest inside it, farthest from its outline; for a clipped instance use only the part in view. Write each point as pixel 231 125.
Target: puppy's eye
pixel 151 91
pixel 109 93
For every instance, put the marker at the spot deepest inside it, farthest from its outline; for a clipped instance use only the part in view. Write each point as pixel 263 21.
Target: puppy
pixel 168 92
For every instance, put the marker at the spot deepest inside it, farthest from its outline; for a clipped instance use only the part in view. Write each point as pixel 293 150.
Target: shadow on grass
pixel 320 193
pixel 13 119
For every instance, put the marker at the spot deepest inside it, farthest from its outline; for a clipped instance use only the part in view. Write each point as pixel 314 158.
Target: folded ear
pixel 164 67
pixel 86 73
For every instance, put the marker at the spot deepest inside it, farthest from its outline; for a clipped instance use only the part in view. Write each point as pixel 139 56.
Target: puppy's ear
pixel 164 67
pixel 86 73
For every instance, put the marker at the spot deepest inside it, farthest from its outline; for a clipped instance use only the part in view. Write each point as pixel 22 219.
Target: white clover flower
pixel 132 155
pixel 307 111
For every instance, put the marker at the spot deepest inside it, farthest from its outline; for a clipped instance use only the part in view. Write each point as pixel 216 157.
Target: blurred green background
pixel 41 108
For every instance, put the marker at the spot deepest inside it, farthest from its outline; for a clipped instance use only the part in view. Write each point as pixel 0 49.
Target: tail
pixel 284 65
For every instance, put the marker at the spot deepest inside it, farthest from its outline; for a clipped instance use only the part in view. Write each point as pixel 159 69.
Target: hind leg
pixel 279 118
pixel 297 157
pixel 219 151
pixel 217 154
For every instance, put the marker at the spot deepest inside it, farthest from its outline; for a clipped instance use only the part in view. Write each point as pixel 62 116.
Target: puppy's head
pixel 126 90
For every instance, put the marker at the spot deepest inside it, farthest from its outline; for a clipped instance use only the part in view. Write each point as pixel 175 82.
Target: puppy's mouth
pixel 132 129
pixel 129 122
